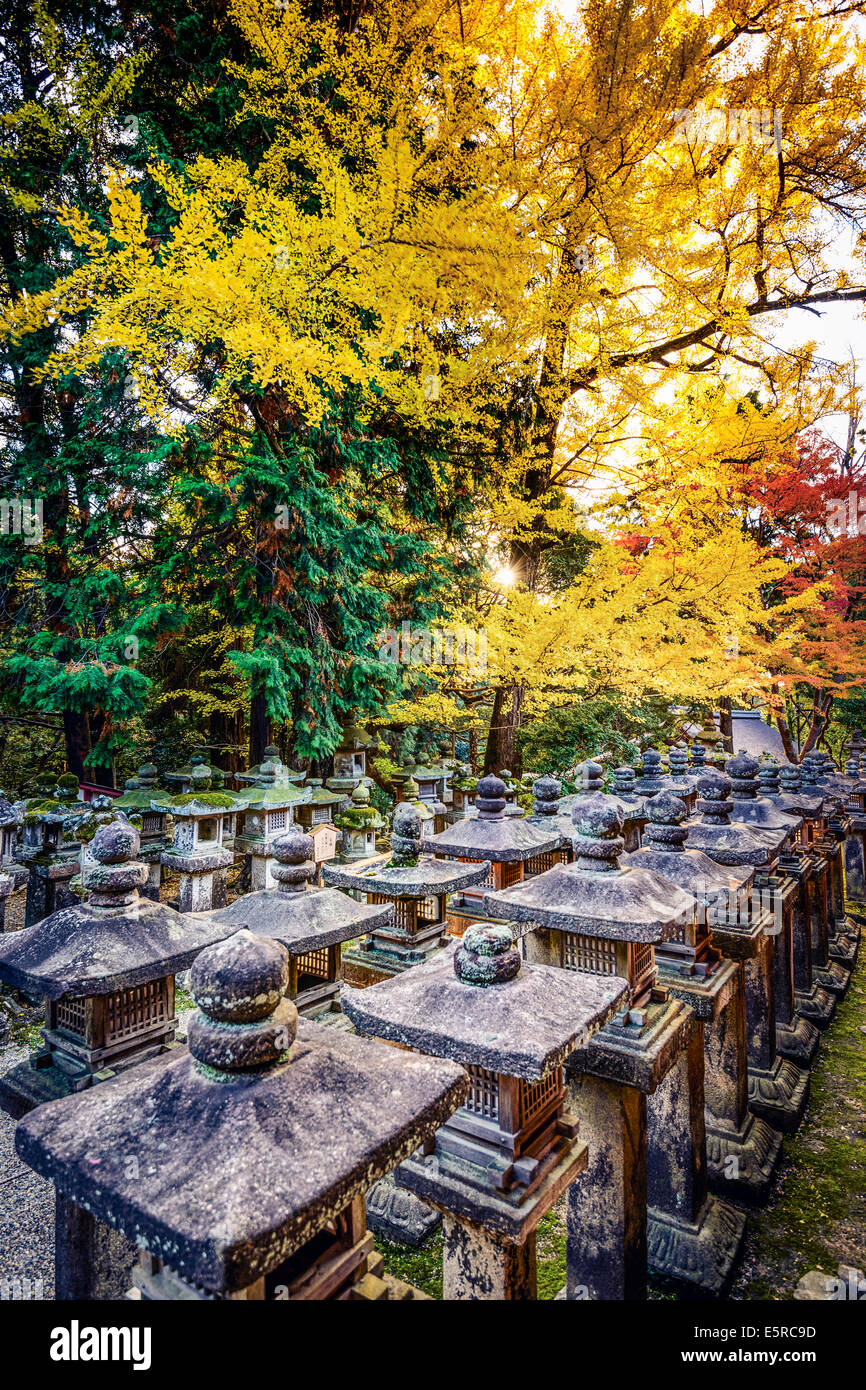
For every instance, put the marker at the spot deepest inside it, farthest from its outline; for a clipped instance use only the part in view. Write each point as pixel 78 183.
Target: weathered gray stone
pixel 523 1027
pixel 222 1174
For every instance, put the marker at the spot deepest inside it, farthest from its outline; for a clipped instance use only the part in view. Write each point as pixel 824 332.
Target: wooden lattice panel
pixel 487 881
pixel 150 821
pixel 511 873
pixel 539 864
pixel 132 1011
pixel 483 1096
pixel 315 963
pixel 429 910
pixel 589 954
pixel 70 1015
pixel 534 1095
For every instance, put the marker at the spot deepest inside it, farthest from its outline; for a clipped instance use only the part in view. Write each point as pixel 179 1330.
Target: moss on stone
pixel 216 799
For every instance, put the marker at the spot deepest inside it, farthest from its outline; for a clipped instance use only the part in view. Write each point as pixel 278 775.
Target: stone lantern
pixel 742 1149
pixel 310 922
pixel 548 816
pixel 842 934
pixel 197 851
pixel 501 1160
pixel 51 851
pixel 632 806
pixel 417 885
pixel 10 826
pixel 136 802
pixel 779 1041
pixel 265 811
pixel 504 843
pixel 855 849
pixel 595 917
pixel 463 789
pixel 833 940
pixel 106 969
pixel 321 807
pixel 350 760
pixel 239 1166
pixel 359 823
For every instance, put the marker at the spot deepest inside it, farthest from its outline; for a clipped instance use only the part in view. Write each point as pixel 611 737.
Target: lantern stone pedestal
pixel 509 1153
pixel 314 1116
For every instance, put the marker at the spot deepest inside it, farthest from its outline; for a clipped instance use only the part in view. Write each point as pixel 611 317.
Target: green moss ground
pixel 817 1215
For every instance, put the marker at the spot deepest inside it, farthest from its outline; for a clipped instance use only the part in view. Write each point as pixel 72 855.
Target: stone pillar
pixel 677 1173
pixel 693 1238
pixel 6 883
pixel 606 1248
pixel 855 864
pixel 92 1261
pixel 153 886
pixel 742 1150
pixel 481 1265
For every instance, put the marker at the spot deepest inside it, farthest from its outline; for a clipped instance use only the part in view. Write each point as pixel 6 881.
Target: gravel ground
pixel 26 1213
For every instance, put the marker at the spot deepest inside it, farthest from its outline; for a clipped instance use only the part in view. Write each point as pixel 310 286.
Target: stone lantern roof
pixel 354 738
pixel 114 941
pixel 407 872
pixel 484 1007
pixel 729 844
pixel 748 806
pixel 250 1142
pixel 197 774
pixel 298 915
pixel 664 851
pixel 359 814
pixel 789 799
pixel 271 770
pixel 491 834
pixel 594 895
pixel 9 815
pixel 139 790
pixel 274 796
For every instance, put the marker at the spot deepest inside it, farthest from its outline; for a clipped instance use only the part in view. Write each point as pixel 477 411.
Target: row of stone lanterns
pixel 630 1038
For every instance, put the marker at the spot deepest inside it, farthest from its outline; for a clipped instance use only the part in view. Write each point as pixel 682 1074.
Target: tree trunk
pixel 76 732
pixel 505 720
pixel 726 724
pixel 260 727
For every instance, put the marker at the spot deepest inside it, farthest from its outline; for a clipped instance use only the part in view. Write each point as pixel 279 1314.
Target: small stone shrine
pixel 502 1160
pixel 239 1166
pixel 106 970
